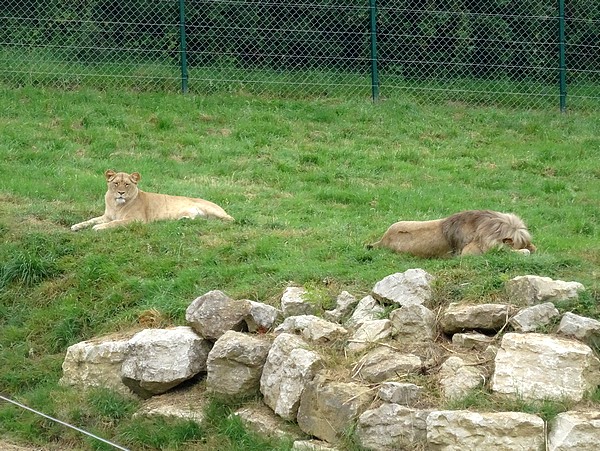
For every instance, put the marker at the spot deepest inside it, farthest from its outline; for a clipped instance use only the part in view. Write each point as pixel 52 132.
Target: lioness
pixel 470 232
pixel 126 203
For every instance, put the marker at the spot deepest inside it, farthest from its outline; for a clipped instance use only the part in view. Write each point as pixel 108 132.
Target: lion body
pixel 470 232
pixel 125 203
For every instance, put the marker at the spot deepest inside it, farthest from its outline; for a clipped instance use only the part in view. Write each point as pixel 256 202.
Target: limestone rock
pixel 260 419
pixel 160 359
pixel 537 366
pixel 97 363
pixel 313 445
pixel 392 427
pixel 383 363
pixel 531 318
pixel 312 328
pixel 262 317
pixel 328 409
pixel 345 302
pixel 500 431
pixel 295 324
pixel 368 333
pixel 575 431
pixel 457 378
pixel 186 403
pixel 399 393
pixel 482 317
pixel 413 324
pixel 490 353
pixel 472 340
pixel 404 288
pixel 368 309
pixel 214 313
pixel 532 290
pixel 580 327
pixel 289 367
pixel 235 364
pixel 293 302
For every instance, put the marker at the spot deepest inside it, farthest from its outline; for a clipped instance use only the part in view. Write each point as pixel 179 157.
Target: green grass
pixel 310 182
pixel 479 399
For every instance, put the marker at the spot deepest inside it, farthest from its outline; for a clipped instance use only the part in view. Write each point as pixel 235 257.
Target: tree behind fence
pixel 464 50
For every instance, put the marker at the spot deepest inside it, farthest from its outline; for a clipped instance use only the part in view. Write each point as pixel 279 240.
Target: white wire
pixel 63 423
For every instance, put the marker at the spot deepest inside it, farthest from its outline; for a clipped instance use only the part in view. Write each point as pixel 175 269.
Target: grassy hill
pixel 310 182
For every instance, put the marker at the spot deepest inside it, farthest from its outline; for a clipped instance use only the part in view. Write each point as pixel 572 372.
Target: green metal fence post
pixel 374 72
pixel 562 59
pixel 182 49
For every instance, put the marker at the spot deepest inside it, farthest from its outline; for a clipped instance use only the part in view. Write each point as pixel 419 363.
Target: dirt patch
pixel 7 446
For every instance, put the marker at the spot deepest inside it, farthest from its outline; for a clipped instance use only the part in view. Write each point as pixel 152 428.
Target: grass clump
pixel 27 270
pixel 110 406
pixel 160 433
pixel 231 434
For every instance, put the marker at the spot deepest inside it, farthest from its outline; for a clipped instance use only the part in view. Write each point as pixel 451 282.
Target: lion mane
pixel 125 203
pixel 470 232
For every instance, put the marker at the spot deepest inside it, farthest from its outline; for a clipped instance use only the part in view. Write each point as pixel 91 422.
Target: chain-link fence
pixel 533 53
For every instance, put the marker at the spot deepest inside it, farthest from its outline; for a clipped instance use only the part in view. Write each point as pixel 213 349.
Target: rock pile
pixel 393 337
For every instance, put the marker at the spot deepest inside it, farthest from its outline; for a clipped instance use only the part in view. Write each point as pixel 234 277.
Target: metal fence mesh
pixel 295 48
pixel 490 51
pixel 100 43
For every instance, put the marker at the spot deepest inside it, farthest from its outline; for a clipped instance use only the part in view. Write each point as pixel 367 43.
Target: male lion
pixel 126 203
pixel 471 232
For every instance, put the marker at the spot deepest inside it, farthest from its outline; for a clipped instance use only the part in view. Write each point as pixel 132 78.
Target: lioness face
pixel 122 186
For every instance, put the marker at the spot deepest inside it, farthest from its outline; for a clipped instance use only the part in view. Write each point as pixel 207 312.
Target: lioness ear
pixel 109 174
pixel 136 177
pixel 508 241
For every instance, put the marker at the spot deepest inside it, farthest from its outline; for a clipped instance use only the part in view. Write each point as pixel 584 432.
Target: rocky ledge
pixel 380 366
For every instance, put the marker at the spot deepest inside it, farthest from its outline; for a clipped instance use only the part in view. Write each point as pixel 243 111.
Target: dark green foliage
pixel 438 39
pixel 289 35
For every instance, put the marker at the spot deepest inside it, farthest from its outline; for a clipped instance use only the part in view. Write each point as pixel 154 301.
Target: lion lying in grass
pixel 126 203
pixel 471 232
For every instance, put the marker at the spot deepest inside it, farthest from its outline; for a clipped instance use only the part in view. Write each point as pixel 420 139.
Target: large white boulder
pixel 538 366
pixel 578 431
pixel 235 363
pixel 392 427
pixel 580 327
pixel 312 328
pixel 460 430
pixel 160 359
pixel 96 363
pixel 329 408
pixel 484 317
pixel 404 288
pixel 214 313
pixel 532 290
pixel 289 367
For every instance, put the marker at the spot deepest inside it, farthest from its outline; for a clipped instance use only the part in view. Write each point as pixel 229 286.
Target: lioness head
pixel 122 186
